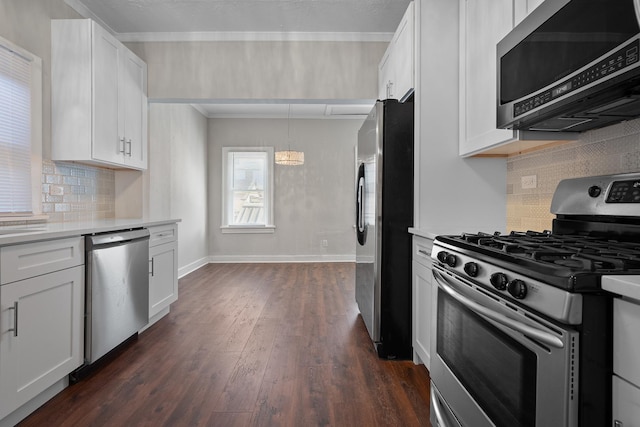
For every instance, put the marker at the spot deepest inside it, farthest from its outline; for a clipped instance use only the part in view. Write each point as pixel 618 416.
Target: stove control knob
pixel 451 260
pixel 594 191
pixel 442 256
pixel 499 281
pixel 471 268
pixel 517 289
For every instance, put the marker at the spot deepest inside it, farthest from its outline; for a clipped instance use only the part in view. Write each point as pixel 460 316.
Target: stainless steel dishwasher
pixel 117 289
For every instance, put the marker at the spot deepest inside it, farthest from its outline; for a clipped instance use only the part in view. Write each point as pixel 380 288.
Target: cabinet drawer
pixel 422 250
pixel 34 259
pixel 163 234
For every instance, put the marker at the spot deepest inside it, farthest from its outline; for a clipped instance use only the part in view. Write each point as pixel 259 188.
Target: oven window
pixel 498 372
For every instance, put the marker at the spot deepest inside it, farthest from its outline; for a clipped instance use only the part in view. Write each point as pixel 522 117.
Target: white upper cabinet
pixel 522 8
pixel 483 23
pixel 396 69
pixel 99 100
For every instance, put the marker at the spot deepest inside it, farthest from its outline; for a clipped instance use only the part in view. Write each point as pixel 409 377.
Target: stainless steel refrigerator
pixel 384 212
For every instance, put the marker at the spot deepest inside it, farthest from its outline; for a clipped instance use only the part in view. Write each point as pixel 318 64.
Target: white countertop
pixel 58 230
pixel 627 286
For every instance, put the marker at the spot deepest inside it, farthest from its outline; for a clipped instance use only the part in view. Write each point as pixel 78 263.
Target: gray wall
pixel 313 202
pixel 178 177
pixel 27 23
pixel 262 70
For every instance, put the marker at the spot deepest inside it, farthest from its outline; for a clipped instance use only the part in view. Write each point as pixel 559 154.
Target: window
pixel 247 190
pixel 20 130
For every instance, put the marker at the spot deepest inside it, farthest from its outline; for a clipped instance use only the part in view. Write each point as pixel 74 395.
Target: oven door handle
pixel 437 411
pixel 506 321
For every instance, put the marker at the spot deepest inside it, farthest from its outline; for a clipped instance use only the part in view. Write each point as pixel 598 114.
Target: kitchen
pixel 171 189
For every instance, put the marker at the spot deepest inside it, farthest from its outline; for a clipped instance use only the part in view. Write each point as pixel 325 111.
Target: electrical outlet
pixel 529 181
pixel 325 243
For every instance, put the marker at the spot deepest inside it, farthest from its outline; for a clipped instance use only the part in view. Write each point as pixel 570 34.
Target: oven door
pixel 496 365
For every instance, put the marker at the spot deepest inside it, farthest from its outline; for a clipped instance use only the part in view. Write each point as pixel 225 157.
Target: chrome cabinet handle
pixel 617 423
pixel 437 411
pixel 121 144
pixel 509 322
pixel 152 264
pixel 423 252
pixel 129 144
pixel 15 319
pixel 361 205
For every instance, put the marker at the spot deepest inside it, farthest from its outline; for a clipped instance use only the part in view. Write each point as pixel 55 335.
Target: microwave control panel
pixel 622 58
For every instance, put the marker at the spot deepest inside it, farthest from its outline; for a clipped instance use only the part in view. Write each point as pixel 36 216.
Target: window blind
pixel 15 133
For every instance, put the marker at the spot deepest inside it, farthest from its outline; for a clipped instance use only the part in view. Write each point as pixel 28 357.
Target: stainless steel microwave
pixel 571 66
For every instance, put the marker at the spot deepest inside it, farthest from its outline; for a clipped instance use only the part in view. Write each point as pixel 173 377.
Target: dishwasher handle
pixel 115 238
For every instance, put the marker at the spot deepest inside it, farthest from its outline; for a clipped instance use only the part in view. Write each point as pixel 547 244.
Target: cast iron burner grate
pixel 574 262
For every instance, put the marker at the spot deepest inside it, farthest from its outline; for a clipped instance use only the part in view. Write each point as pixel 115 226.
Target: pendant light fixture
pixel 289 156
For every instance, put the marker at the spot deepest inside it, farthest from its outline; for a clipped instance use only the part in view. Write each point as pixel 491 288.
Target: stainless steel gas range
pixel 523 335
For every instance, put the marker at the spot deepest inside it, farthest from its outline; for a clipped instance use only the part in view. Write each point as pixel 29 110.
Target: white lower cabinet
pixel 41 337
pixel 626 403
pixel 423 313
pixel 626 352
pixel 163 273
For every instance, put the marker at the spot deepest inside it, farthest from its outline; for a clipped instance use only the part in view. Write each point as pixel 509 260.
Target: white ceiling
pixel 155 20
pixel 284 16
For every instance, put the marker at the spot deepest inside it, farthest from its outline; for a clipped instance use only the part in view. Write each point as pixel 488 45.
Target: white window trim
pixel 36 133
pixel 227 228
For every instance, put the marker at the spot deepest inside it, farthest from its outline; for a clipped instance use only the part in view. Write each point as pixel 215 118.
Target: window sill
pixel 19 220
pixel 251 229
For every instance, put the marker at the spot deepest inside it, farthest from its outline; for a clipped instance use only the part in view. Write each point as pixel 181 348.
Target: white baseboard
pixel 183 271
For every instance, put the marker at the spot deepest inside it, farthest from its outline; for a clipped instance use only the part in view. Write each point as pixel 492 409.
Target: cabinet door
pixel 163 280
pixel 403 56
pixel 626 403
pixel 134 108
pixel 396 69
pixel 47 312
pixel 108 142
pixel 483 24
pixel 385 75
pixel 422 312
pixel 522 8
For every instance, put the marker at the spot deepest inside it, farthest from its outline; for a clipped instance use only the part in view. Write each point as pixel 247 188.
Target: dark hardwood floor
pixel 251 345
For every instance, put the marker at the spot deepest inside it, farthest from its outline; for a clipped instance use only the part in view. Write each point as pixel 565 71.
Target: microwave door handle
pixel 509 322
pixel 437 411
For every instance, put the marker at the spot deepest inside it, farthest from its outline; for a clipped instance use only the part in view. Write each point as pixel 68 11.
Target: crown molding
pixel 217 36
pixel 85 12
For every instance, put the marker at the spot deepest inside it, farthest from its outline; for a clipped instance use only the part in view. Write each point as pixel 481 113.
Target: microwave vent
pixel 560 124
pixel 625 107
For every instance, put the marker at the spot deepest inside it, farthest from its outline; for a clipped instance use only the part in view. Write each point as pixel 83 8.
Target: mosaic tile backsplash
pixel 614 149
pixel 75 192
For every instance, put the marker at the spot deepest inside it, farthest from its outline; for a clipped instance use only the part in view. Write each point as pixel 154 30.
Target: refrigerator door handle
pixel 360 207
